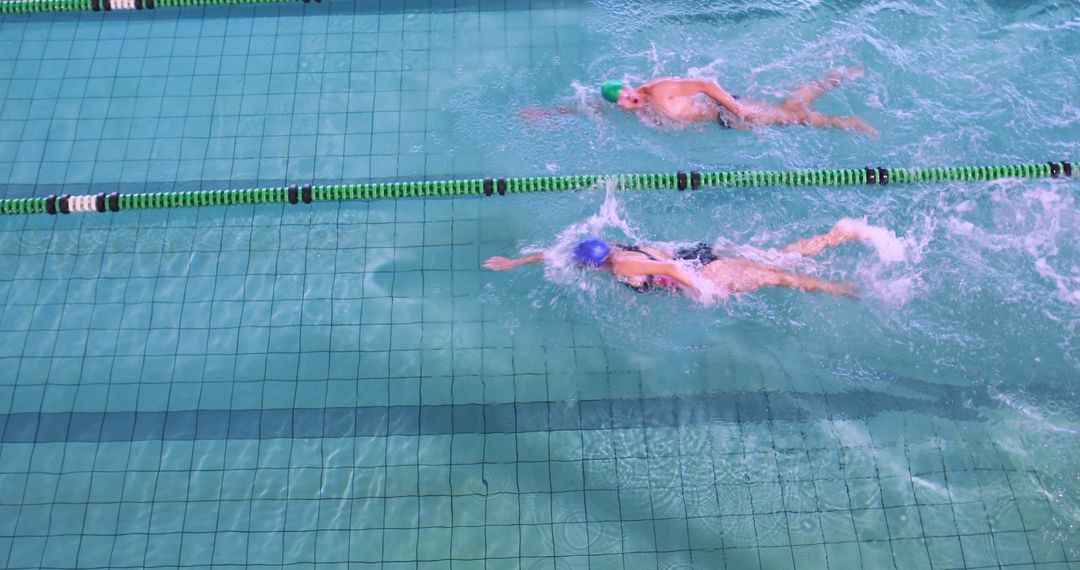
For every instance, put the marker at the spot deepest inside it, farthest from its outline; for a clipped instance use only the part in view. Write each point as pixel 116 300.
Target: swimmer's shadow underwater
pixel 950 402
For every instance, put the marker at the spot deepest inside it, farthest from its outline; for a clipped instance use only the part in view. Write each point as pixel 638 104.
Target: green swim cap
pixel 610 90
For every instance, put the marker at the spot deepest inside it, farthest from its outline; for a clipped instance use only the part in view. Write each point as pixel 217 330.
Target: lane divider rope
pixel 308 193
pixel 35 6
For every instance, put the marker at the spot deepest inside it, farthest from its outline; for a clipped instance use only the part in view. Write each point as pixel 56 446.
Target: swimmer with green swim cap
pixel 610 90
pixel 690 101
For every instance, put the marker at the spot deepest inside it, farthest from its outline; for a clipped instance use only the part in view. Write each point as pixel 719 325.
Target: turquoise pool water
pixel 340 384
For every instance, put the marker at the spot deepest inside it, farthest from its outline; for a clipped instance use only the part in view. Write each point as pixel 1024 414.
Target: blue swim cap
pixel 592 251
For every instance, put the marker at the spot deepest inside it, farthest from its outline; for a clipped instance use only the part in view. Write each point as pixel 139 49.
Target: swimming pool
pixel 341 384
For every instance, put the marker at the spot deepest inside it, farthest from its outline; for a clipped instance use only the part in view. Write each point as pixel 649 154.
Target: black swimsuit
pixel 650 282
pixel 701 253
pixel 724 117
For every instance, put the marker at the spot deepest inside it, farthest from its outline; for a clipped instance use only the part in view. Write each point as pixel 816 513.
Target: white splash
pixel 884 241
pixel 707 71
pixel 559 266
pixel 895 274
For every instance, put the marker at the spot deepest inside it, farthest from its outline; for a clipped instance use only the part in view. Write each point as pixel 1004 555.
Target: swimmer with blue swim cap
pixel 646 268
pixel 690 101
pixel 593 252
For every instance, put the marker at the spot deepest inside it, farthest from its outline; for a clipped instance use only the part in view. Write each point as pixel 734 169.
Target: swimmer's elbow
pixel 716 92
pixel 683 278
pixel 706 87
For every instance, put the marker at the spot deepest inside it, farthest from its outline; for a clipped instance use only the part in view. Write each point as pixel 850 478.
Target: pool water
pixel 341 384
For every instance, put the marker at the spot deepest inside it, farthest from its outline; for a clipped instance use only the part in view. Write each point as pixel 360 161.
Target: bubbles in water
pixel 1017 243
pixel 1029 409
pixel 707 71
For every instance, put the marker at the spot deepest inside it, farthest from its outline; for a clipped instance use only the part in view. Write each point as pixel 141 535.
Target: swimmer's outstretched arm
pixel 504 263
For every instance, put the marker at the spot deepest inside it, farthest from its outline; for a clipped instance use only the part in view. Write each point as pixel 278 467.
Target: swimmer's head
pixel 622 95
pixel 592 252
pixel 610 90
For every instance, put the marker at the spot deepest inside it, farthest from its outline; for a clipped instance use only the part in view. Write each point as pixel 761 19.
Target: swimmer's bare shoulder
pixel 670 88
pixel 663 87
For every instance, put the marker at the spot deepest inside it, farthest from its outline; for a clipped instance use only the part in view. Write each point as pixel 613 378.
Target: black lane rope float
pixel 877 176
pixel 34 6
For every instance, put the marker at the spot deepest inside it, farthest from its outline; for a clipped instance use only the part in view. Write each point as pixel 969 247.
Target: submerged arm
pixel 579 108
pixel 644 268
pixel 535 113
pixel 814 285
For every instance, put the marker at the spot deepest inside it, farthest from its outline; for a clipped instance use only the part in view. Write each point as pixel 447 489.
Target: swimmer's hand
pixel 855 125
pixel 500 263
pixel 505 263
pixel 843 289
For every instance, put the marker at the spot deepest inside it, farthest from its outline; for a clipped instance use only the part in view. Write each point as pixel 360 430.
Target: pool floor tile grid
pixel 193 309
pixel 716 495
pixel 131 342
pixel 800 474
pixel 248 95
pixel 236 308
pixel 193 300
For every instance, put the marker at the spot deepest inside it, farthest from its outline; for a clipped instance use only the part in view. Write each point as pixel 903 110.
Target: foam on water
pixel 889 249
pixel 1032 225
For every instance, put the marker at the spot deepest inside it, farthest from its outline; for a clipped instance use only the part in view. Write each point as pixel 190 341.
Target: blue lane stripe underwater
pixel 190 425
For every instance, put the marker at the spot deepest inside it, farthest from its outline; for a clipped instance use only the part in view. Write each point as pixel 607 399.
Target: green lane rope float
pixel 34 6
pixel 879 176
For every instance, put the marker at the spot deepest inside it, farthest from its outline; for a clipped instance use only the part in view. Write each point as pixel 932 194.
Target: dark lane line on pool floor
pixel 331 422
